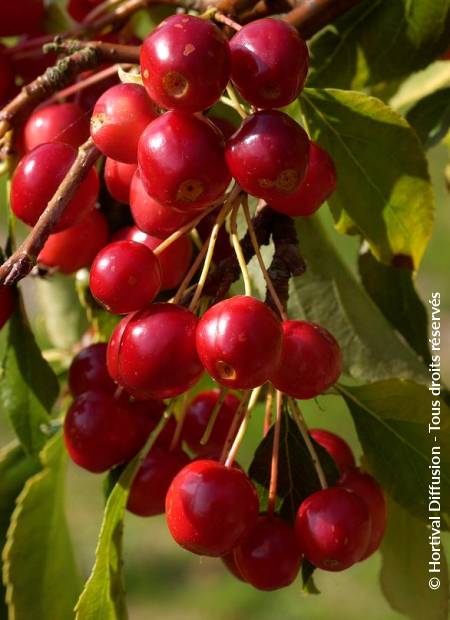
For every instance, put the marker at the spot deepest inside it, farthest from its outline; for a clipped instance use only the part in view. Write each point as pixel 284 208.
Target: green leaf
pixel 15 469
pixel 28 386
pixel 329 294
pixel 380 40
pixel 384 189
pixel 307 577
pixel 39 569
pixel 297 477
pixel 392 289
pixel 430 117
pixel 392 418
pixel 404 571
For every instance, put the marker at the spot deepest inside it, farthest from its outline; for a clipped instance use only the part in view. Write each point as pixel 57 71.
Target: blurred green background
pixel 166 583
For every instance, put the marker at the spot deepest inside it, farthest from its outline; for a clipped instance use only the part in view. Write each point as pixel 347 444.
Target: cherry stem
pixel 190 274
pixel 238 251
pixel 268 410
pixel 213 417
pixel 224 19
pixel 237 419
pixel 259 257
pixel 275 456
pixel 99 76
pixel 235 103
pixel 118 392
pixel 298 416
pixel 242 428
pixel 180 423
pixel 99 10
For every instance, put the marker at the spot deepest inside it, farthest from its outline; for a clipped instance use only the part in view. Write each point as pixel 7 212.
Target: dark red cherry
pixel 185 63
pixel 88 370
pixel 311 360
pixel 317 186
pixel 333 528
pixel 182 161
pixel 152 353
pixel 269 63
pixel 38 176
pixel 149 488
pixel 6 304
pixel 151 216
pixel 231 565
pixel 269 557
pixel 76 246
pixel 337 448
pixel 268 155
pixel 119 117
pixel 224 125
pixel 118 178
pixel 125 276
pixel 198 414
pixel 60 122
pixel 21 17
pixel 210 507
pixel 101 432
pixel 368 489
pixel 239 342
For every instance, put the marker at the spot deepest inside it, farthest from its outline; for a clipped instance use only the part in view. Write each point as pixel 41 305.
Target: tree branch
pixel 310 16
pixel 24 258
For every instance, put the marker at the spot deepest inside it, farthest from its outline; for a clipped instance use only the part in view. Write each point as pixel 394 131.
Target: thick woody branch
pixel 310 16
pixel 24 258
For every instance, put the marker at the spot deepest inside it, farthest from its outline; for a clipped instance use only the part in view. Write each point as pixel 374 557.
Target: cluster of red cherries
pixel 172 166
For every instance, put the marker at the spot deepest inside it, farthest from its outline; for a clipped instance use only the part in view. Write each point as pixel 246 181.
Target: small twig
pixel 275 456
pixel 24 258
pixel 224 19
pixel 97 77
pixel 309 444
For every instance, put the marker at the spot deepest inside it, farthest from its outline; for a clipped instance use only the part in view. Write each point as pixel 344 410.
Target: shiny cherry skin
pixel 38 176
pixel 210 508
pixel 311 360
pixel 101 432
pixel 337 448
pixel 118 178
pixel 125 276
pixel 119 117
pixel 368 489
pixel 149 488
pixel 269 557
pixel 60 122
pixel 150 215
pixel 333 528
pixel 268 156
pixel 152 353
pixel 182 161
pixel 239 342
pixel 88 370
pixel 269 63
pixel 318 185
pixel 76 246
pixel 6 303
pixel 21 17
pixel 185 63
pixel 197 417
pixel 231 565
pixel 174 260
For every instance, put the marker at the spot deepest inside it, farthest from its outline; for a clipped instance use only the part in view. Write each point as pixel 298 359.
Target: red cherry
pixel 61 122
pixel 317 186
pixel 149 488
pixel 269 557
pixel 88 370
pixel 182 162
pixel 125 276
pixel 76 246
pixel 368 489
pixel 210 507
pixel 21 17
pixel 151 216
pixel 239 342
pixel 6 304
pixel 311 360
pixel 269 63
pixel 152 353
pixel 197 417
pixel 333 528
pixel 224 125
pixel 118 120
pixel 174 260
pixel 268 155
pixel 118 178
pixel 337 448
pixel 38 176
pixel 230 563
pixel 101 432
pixel 185 63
